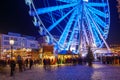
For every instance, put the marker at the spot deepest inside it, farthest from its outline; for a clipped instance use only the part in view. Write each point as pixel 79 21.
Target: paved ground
pixel 78 72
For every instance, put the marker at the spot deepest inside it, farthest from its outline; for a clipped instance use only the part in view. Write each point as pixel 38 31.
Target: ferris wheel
pixel 72 24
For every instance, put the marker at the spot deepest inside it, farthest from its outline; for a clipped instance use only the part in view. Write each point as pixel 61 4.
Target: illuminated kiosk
pixel 78 23
pixel 48 53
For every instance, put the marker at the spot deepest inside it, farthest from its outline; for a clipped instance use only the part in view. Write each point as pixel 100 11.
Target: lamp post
pixel 12 62
pixel 11 41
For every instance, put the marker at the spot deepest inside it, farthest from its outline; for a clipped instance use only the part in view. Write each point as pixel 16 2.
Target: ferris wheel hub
pixel 86 0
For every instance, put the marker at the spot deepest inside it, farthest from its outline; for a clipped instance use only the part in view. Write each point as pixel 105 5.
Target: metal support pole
pixel 11 51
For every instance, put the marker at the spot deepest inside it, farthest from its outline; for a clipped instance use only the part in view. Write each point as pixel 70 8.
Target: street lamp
pixel 11 41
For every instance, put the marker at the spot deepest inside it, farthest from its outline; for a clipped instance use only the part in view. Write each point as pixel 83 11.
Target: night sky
pixel 14 17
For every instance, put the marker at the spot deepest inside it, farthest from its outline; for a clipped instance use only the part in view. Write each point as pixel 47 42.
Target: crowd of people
pixel 18 62
pixel 27 63
pixel 23 64
pixel 110 59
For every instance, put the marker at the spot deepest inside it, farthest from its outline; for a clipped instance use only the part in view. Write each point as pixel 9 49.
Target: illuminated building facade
pixel 20 42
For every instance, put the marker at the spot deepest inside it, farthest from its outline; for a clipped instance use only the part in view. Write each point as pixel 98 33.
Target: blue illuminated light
pixel 85 0
pixel 76 23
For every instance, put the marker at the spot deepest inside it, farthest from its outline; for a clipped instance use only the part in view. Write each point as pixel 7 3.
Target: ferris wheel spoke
pixel 96 36
pixel 85 33
pixel 98 12
pixel 101 36
pixel 101 31
pixel 99 21
pixel 97 4
pixel 68 1
pixel 96 18
pixel 58 21
pixel 93 33
pixel 90 31
pixel 53 8
pixel 94 29
pixel 97 32
pixel 72 34
pixel 89 24
pixel 84 30
pixel 67 28
pixel 57 14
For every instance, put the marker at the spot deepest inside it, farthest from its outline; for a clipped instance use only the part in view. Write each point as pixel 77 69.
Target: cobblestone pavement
pixel 77 72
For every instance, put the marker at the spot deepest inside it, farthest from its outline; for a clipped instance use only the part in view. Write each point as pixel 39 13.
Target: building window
pixel 15 39
pixel 6 43
pixel 32 45
pixel 6 38
pixel 16 44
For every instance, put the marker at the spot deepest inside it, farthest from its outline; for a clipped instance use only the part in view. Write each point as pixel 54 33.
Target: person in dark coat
pixel 20 64
pixel 12 67
pixel 31 63
pixel 19 61
pixel 44 63
pixel 26 63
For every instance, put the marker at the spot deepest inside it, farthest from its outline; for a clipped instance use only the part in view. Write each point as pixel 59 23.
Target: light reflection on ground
pixel 96 66
pixel 67 72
